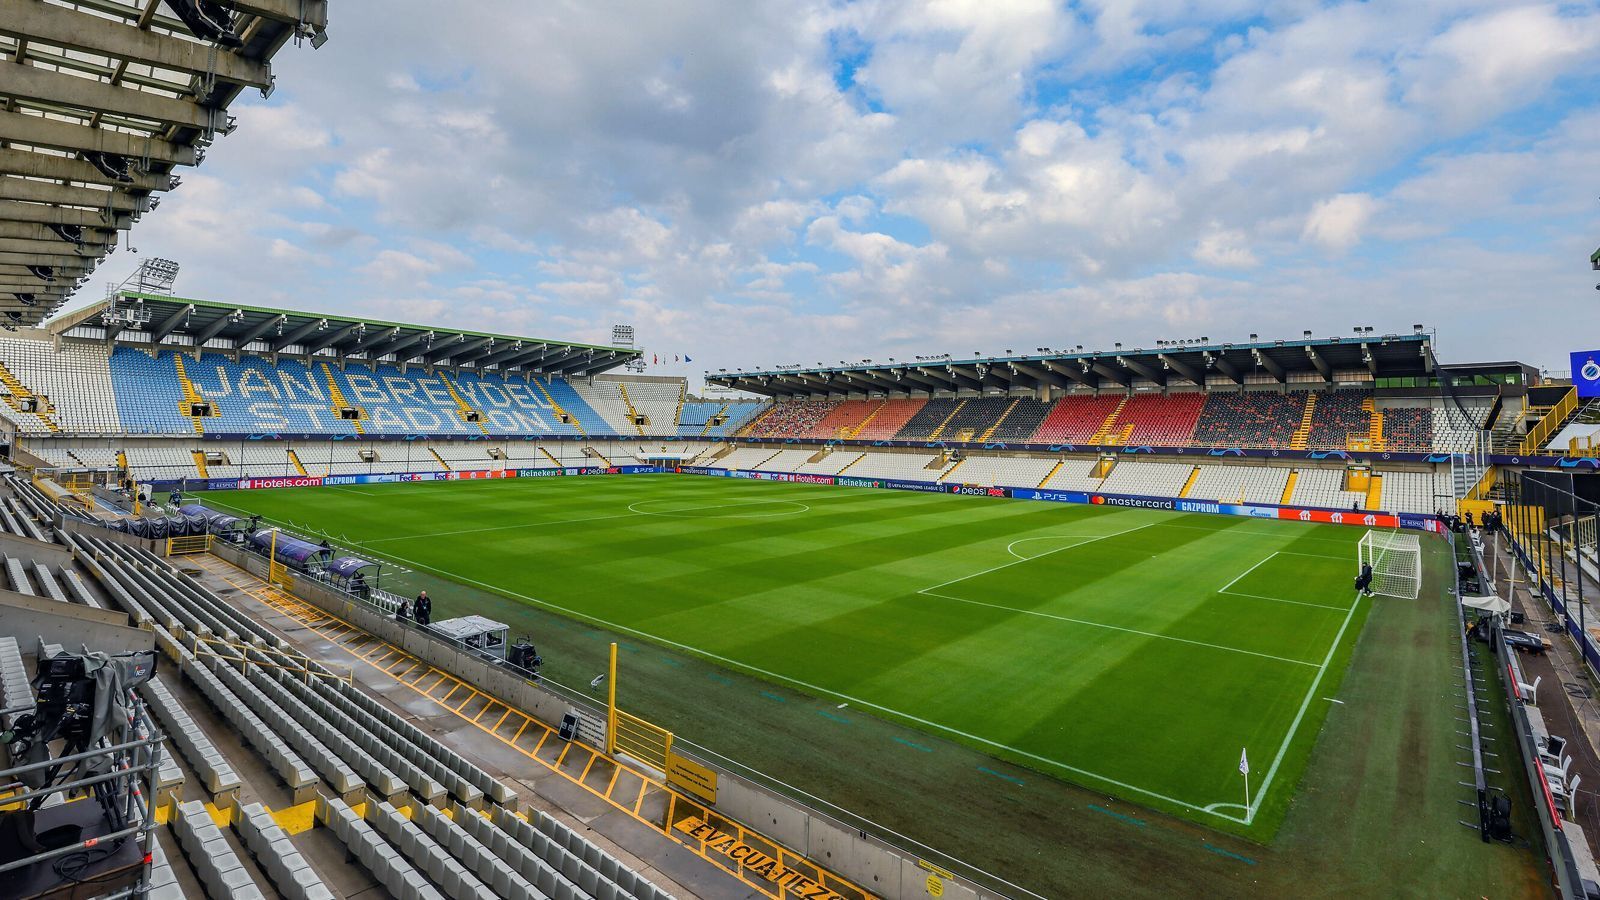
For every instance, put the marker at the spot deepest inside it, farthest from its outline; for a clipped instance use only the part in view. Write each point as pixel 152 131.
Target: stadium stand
pixel 791 418
pixel 908 466
pixel 929 420
pixel 1019 422
pixel 843 420
pixel 1151 479
pixel 1158 420
pixel 1076 418
pixel 889 419
pixel 974 418
pixel 1339 416
pixel 1255 419
pixel 1001 471
pixel 1240 484
pixel 1406 427
pixel 1325 488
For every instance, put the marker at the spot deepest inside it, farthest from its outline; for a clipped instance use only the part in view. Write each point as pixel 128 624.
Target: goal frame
pixel 1396 560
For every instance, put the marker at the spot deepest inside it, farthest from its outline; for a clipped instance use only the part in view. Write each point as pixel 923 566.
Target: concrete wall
pixel 878 867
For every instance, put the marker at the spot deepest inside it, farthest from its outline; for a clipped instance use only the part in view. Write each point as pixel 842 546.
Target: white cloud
pixel 1338 222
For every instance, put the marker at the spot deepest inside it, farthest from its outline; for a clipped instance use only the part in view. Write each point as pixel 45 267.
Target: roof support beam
pixel 1320 363
pixel 330 338
pixel 63 260
pixel 504 353
pixel 960 379
pixel 295 336
pixel 453 350
pixel 313 13
pixel 1120 376
pixel 1273 369
pixel 1041 376
pixel 47 250
pixel 1146 372
pixel 118 201
pixel 260 328
pixel 1077 370
pixel 63 27
pixel 215 328
pixel 1370 360
pixel 167 325
pixel 17 211
pixel 36 85
pixel 33 231
pixel 67 168
pixel 1182 368
pixel 37 131
pixel 12 285
pixel 1221 364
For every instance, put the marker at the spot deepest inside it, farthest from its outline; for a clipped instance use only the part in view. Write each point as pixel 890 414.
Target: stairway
pixel 677 417
pixel 849 432
pixel 557 407
pixel 461 405
pixel 1100 433
pixel 336 397
pixel 940 430
pixel 444 465
pixel 1302 435
pixel 750 427
pixel 1375 428
pixel 294 458
pixel 1288 487
pixel 989 432
pixel 1189 485
pixel 200 462
pixel 952 470
pixel 706 428
pixel 17 391
pixel 633 414
pixel 1053 470
pixel 190 395
pixel 1374 492
pixel 859 458
pixel 549 457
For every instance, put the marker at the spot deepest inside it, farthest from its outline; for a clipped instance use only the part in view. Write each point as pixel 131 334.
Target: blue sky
pixel 759 184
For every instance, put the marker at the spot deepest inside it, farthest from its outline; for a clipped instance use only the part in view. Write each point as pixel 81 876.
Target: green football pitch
pixel 1137 653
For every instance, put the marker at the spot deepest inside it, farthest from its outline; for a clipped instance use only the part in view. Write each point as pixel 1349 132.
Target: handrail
pixel 1546 426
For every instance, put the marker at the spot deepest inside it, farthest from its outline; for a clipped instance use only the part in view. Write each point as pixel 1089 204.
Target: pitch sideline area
pixel 1127 650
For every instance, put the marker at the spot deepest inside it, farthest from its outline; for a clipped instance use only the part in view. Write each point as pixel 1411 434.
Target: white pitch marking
pixel 1281 600
pixel 1331 700
pixel 1247 572
pixel 1154 634
pixel 1031 558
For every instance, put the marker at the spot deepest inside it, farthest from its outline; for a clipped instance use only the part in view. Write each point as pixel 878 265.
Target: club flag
pixel 687 359
pixel 1244 762
pixel 674 357
pixel 657 360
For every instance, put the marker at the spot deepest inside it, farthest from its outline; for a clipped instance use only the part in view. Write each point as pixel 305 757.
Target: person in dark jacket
pixel 422 610
pixel 1364 580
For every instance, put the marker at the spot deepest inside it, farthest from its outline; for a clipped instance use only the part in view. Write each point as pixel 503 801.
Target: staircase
pixel 952 470
pixel 1099 437
pixel 709 419
pixel 1288 487
pixel 17 391
pixel 996 426
pixel 1189 485
pixel 557 407
pixel 1374 492
pixel 940 430
pixel 336 397
pixel 852 462
pixel 461 405
pixel 1550 424
pixel 190 395
pixel 122 461
pixel 442 464
pixel 849 432
pixel 677 417
pixel 1103 467
pixel 1053 470
pixel 200 462
pixel 549 457
pixel 1375 428
pixel 1302 435
pixel 633 414
pixel 750 427
pixel 294 459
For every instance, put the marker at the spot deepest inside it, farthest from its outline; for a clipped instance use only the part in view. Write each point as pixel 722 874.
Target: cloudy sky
pixel 793 182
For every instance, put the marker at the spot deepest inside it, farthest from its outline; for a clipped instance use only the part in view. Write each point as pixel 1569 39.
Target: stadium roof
pixel 149 320
pixel 1381 356
pixel 100 102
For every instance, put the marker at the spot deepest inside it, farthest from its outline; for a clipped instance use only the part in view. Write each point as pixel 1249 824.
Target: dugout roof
pixel 101 101
pixel 1171 364
pixel 149 320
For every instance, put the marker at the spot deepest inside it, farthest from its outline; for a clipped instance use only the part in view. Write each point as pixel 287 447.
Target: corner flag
pixel 1244 762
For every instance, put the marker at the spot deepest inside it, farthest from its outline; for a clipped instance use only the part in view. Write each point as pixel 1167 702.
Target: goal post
pixel 1396 561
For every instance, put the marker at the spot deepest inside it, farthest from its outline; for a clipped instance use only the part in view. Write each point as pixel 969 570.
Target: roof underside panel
pixel 1185 366
pixel 100 102
pixel 153 321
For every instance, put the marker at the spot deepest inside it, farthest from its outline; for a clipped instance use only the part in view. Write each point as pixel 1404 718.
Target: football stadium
pixel 303 603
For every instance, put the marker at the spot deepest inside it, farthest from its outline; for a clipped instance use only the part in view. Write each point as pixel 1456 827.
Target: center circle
pixel 724 510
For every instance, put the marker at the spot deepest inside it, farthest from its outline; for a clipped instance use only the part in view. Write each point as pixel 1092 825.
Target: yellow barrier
pixel 1546 426
pixel 629 734
pixel 194 543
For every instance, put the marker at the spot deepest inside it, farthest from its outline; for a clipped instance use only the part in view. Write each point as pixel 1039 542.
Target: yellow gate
pixel 194 543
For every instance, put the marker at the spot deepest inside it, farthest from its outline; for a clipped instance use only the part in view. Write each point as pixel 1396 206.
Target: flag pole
pixel 1244 769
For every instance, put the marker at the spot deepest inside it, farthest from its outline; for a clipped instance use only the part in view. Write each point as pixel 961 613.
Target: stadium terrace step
pixel 468 413
pixel 340 404
pixel 1288 487
pixel 934 435
pixel 190 395
pixel 1374 492
pixel 16 393
pixel 989 432
pixel 294 459
pixel 442 464
pixel 200 463
pixel 1189 485
pixel 1302 434
pixel 633 414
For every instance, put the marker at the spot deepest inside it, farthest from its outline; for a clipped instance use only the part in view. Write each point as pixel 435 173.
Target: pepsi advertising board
pixel 1586 372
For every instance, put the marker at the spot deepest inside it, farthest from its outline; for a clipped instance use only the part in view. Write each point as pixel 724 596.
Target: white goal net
pixel 1396 561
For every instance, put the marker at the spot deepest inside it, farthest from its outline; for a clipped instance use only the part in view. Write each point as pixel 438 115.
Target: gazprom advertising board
pixel 1586 372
